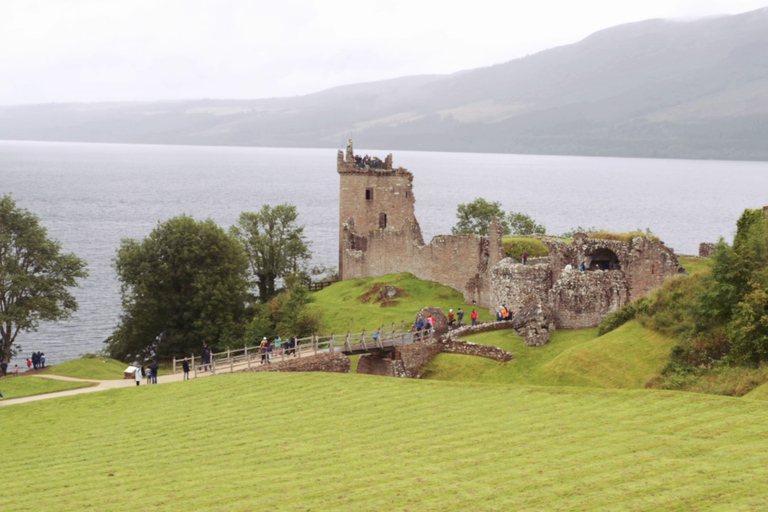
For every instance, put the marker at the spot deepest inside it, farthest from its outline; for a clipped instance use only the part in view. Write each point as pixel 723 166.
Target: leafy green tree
pixel 285 315
pixel 275 245
pixel 184 285
pixel 522 224
pixel 476 217
pixel 35 276
pixel 749 329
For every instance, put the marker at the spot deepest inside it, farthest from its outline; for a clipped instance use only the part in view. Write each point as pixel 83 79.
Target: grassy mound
pixel 625 358
pixel 515 247
pixel 355 304
pixel 621 237
pixel 90 368
pixel 28 385
pixel 219 445
pixel 759 393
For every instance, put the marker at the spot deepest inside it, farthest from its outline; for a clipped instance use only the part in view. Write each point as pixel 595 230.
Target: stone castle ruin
pixel 379 234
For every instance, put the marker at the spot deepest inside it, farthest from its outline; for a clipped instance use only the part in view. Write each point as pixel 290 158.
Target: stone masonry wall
pixel 468 329
pixel 706 249
pixel 513 282
pixel 332 363
pixel 379 234
pixel 409 360
pixel 469 348
pixel 380 364
pixel 580 300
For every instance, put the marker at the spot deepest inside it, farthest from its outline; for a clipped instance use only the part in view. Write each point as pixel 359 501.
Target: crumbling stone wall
pixel 468 329
pixel 582 299
pixel 706 250
pixel 408 361
pixel 332 363
pixel 534 321
pixel 514 282
pixel 469 348
pixel 379 234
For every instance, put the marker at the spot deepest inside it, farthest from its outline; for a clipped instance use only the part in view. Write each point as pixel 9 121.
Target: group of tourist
pixel 504 314
pixel 150 371
pixel 267 348
pixel 367 161
pixel 37 361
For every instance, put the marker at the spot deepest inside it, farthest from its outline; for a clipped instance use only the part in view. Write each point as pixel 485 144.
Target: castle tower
pixel 372 197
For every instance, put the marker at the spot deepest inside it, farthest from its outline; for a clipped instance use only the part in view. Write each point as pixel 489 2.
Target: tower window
pixel 382 220
pixel 369 194
pixel 407 194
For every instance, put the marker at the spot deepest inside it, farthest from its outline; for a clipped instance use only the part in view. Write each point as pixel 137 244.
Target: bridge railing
pixel 392 335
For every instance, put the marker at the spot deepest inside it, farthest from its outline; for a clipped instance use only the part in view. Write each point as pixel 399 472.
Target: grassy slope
pixel 344 307
pixel 694 265
pixel 759 393
pixel 28 385
pixel 370 443
pixel 90 368
pixel 624 358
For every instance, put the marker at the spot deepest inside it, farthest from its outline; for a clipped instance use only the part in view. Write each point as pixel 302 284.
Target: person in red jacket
pixel 474 317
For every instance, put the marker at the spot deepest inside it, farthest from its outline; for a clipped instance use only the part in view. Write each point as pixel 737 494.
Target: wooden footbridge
pixel 366 342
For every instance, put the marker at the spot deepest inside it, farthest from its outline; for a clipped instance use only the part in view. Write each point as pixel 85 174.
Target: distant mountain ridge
pixel 656 88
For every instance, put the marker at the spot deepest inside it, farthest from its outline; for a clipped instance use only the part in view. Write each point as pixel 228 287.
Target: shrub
pixel 515 247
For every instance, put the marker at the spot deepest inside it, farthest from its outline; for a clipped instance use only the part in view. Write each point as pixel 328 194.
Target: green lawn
pixel 626 358
pixel 352 305
pixel 694 265
pixel 364 443
pixel 28 385
pixel 90 368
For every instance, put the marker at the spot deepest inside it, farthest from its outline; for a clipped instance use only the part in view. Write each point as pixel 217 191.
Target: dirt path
pixel 101 385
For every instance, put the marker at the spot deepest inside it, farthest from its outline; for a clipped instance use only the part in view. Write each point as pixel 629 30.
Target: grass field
pixel 90 368
pixel 355 442
pixel 28 385
pixel 624 358
pixel 353 305
pixel 759 393
pixel 694 265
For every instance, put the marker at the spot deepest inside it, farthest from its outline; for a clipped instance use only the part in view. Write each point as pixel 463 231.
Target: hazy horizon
pixel 88 51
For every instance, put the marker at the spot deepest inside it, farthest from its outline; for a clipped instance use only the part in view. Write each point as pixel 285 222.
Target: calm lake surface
pixel 90 196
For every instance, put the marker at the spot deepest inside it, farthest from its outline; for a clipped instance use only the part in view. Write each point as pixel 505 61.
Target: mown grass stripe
pixel 367 443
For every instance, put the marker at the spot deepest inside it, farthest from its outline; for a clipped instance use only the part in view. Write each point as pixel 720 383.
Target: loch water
pixel 91 196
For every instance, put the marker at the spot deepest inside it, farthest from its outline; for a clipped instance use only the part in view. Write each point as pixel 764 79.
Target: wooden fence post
pixel 174 364
pixel 332 344
pixel 194 365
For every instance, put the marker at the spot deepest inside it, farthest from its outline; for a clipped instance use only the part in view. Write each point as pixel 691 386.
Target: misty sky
pixel 119 50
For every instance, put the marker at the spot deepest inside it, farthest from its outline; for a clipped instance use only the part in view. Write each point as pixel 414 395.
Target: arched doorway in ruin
pixel 602 259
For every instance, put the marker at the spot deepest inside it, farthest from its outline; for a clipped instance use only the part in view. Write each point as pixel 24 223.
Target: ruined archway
pixel 602 259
